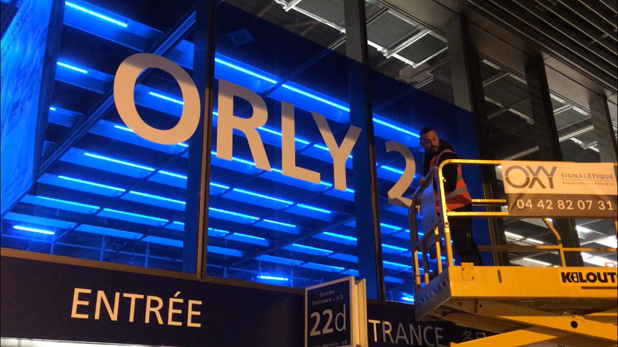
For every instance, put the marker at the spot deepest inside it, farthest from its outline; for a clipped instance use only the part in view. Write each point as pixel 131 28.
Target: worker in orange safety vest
pixel 457 196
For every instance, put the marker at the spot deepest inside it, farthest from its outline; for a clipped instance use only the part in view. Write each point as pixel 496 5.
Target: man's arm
pixel 449 171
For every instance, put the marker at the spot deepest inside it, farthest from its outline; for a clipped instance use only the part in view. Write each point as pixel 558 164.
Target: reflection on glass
pixel 509 116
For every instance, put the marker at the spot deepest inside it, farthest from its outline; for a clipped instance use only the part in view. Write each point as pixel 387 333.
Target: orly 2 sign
pixel 124 84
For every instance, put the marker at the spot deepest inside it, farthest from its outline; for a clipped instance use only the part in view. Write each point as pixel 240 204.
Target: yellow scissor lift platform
pixel 563 306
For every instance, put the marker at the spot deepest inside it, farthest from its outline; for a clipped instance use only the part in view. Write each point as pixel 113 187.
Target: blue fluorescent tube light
pixel 172 174
pixel 394 247
pixel 242 215
pixel 388 226
pixel 68 202
pixel 312 248
pixel 419 233
pixel 248 162
pixel 250 236
pixel 397 264
pixel 96 14
pixel 279 223
pixel 219 185
pixel 322 267
pixel 91 183
pixel 273 278
pixel 394 127
pixel 313 208
pixel 71 67
pixel 220 231
pixel 345 237
pixel 236 67
pixel 122 128
pixel 51 108
pixel 34 230
pixel 274 132
pixel 161 96
pixel 315 97
pixel 236 159
pixel 392 169
pixel 157 197
pixel 324 148
pixel 135 215
pixel 118 161
pixel 262 196
pixel 286 86
pixel 407 298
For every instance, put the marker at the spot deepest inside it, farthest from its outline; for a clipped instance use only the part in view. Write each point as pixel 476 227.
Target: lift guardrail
pixel 523 304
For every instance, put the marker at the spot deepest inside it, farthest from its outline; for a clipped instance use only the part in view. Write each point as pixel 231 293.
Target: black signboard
pixel 63 302
pixel 393 324
pixel 328 320
pixel 51 301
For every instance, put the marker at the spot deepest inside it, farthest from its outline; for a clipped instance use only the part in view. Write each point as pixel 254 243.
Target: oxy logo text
pixel 530 176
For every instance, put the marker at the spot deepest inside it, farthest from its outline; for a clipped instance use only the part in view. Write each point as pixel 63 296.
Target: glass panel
pixel 512 137
pixel 100 192
pixel 578 143
pixel 411 89
pixel 275 216
pixel 509 116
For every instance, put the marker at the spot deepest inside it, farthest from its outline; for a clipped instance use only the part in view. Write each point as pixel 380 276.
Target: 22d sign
pixel 336 314
pixel 124 85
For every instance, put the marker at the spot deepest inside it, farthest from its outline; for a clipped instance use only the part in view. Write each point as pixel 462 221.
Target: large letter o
pixel 124 84
pixel 507 177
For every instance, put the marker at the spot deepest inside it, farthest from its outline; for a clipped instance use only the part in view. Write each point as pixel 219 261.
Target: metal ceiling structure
pixel 582 32
pixel 104 193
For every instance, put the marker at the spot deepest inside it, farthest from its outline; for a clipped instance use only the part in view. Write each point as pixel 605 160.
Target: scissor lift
pixel 569 306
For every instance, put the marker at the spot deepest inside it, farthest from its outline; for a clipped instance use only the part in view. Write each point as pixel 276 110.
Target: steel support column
pixel 198 192
pixel 365 177
pixel 469 100
pixel 549 145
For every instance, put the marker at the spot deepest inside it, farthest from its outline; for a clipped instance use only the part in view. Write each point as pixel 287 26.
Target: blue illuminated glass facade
pixel 78 182
pixel 102 192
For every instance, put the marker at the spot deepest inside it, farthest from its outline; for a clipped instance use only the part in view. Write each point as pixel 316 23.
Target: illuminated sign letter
pixel 339 153
pixel 124 84
pixel 288 146
pixel 227 122
pixel 395 194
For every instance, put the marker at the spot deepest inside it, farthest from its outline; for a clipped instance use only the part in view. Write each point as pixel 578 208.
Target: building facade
pixel 277 142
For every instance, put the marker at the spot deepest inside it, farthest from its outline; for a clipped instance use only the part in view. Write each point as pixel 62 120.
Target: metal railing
pixel 436 227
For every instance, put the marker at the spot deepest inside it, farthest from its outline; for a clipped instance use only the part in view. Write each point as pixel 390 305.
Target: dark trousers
pixel 463 242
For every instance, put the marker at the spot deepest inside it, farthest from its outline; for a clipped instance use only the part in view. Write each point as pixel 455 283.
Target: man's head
pixel 429 140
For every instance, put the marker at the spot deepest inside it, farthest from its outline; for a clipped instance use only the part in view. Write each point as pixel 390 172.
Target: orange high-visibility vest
pixel 458 197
